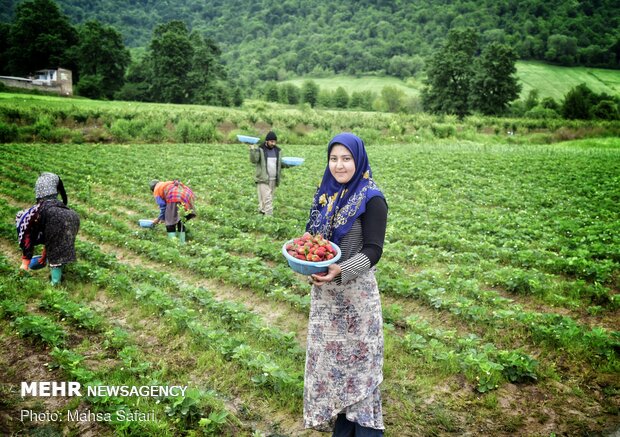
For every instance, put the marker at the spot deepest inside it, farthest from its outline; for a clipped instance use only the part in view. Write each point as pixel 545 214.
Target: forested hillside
pixel 273 38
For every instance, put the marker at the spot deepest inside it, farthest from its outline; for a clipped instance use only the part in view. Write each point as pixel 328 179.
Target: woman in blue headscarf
pixel 344 360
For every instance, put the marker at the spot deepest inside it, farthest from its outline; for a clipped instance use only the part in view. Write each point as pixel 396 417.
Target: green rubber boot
pixel 56 275
pixel 182 237
pixel 172 235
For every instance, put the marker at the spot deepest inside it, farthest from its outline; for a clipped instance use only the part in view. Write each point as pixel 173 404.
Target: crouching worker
pixel 172 196
pixel 49 222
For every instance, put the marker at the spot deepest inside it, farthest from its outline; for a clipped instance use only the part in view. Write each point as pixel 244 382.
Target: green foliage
pixel 494 84
pixel 459 82
pixel 393 98
pixel 341 98
pixel 578 103
pixel 449 74
pixel 102 60
pixel 362 100
pixel 186 408
pixel 40 328
pixel 270 92
pixel 606 110
pixel 212 424
pixel 309 93
pixel 171 53
pixel 372 36
pixel 91 85
pixel 8 132
pixel 179 67
pixel 39 37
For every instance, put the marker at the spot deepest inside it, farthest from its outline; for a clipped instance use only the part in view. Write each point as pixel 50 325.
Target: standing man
pixel 268 162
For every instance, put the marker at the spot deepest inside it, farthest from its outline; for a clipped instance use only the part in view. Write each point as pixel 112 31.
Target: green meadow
pixel 549 80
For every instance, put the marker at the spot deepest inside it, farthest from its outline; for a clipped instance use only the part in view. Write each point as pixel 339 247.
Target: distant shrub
pixel 121 130
pixel 77 137
pixel 11 114
pixel 540 112
pixel 97 135
pixel 441 130
pixel 154 131
pixel 43 127
pixel 606 110
pixel 182 131
pixel 203 133
pixel 8 132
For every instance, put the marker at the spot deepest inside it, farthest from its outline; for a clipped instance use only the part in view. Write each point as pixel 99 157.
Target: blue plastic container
pixel 309 267
pixel 145 223
pixel 246 139
pixel 290 160
pixel 34 263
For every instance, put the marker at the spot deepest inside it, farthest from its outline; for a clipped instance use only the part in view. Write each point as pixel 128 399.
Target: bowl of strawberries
pixel 310 254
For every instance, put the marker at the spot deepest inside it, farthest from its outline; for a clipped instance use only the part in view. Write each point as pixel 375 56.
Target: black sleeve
pixel 374 223
pixel 61 191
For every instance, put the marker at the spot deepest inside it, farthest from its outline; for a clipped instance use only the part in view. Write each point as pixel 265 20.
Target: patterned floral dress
pixel 344 358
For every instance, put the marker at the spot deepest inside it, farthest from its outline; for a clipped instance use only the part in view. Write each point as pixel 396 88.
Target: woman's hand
pixel 156 221
pixel 319 279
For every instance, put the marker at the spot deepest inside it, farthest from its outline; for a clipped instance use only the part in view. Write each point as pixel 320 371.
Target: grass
pixel 550 81
pixel 364 83
pixel 555 81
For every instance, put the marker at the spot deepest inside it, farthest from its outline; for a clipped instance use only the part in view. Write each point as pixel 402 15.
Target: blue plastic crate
pixel 246 139
pixel 145 223
pixel 290 160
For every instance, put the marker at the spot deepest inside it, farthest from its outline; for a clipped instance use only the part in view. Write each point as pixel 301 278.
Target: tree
pixel 401 66
pixel 494 83
pixel 325 99
pixel 561 49
pixel 205 79
pixel 102 58
pixel 290 94
pixel 578 102
pixel 5 29
pixel 449 74
pixel 136 86
pixel 237 96
pixel 341 98
pixel 532 99
pixel 309 92
pixel 171 55
pixel 393 98
pixel 550 103
pixel 606 110
pixel 40 37
pixel 362 100
pixel 271 91
pixel 91 86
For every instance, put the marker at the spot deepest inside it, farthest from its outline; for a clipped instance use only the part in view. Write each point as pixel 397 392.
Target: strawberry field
pixel 500 287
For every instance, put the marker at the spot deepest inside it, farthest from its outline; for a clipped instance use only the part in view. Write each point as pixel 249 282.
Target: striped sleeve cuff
pixel 353 267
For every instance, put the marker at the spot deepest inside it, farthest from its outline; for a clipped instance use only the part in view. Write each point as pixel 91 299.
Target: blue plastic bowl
pixel 145 223
pixel 246 139
pixel 289 160
pixel 34 263
pixel 309 267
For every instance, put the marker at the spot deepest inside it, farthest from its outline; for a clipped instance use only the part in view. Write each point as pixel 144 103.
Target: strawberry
pixel 313 248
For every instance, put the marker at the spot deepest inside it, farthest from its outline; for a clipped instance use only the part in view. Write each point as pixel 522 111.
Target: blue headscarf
pixel 336 206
